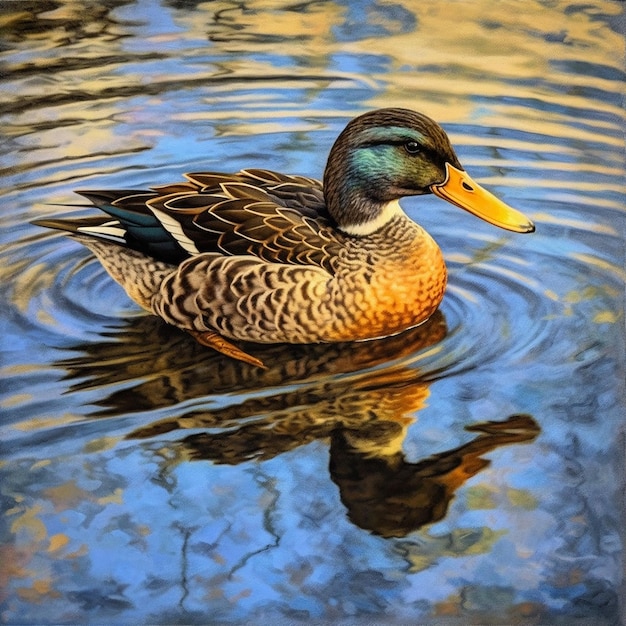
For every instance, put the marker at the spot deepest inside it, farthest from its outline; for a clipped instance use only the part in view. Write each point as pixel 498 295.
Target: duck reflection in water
pixel 385 494
pixel 359 397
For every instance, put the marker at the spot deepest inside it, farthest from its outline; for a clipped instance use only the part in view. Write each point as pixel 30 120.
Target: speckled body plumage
pixel 395 287
pixel 273 258
pixel 382 284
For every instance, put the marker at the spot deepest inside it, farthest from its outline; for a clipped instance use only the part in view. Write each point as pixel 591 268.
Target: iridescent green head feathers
pixel 382 156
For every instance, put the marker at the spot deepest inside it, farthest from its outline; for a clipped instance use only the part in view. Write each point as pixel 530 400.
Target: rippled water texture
pixel 469 471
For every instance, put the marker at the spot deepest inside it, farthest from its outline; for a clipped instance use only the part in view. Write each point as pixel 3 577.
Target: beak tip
pixel 459 189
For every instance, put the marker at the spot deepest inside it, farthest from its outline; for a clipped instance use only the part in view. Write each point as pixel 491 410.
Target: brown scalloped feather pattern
pixel 274 217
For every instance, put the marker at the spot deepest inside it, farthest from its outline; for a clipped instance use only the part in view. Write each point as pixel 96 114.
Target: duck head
pixel 387 154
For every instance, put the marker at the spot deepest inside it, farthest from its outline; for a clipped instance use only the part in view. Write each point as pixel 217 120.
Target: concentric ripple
pixel 492 312
pixel 66 295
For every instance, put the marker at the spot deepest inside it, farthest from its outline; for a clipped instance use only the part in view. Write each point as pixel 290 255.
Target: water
pixel 469 471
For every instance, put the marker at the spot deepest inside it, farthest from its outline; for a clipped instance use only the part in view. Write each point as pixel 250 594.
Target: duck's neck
pixel 381 217
pixel 357 206
pixel 359 195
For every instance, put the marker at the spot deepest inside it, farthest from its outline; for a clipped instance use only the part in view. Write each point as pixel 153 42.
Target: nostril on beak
pixel 467 187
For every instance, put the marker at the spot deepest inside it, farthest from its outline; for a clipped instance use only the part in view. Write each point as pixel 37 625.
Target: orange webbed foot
pixel 211 339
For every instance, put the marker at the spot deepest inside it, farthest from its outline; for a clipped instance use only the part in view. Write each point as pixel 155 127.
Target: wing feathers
pixel 258 212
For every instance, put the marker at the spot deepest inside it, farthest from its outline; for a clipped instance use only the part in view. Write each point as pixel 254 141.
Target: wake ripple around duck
pixel 59 299
pixel 516 301
pixel 492 311
pixel 498 307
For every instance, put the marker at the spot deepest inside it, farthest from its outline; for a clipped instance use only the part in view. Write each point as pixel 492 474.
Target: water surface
pixel 468 471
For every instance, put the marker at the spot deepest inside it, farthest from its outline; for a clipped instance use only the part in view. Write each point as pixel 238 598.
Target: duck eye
pixel 412 147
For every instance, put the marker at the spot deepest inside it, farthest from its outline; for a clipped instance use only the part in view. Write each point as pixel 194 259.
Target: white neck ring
pixel 387 213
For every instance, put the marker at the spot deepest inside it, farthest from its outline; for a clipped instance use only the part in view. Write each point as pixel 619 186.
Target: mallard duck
pixel 273 258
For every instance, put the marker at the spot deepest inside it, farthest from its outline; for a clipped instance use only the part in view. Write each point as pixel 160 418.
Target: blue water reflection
pixel 469 471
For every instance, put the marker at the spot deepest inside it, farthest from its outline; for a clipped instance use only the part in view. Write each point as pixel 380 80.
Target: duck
pixel 264 257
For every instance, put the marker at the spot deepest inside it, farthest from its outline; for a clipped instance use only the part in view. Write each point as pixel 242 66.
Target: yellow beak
pixel 459 189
